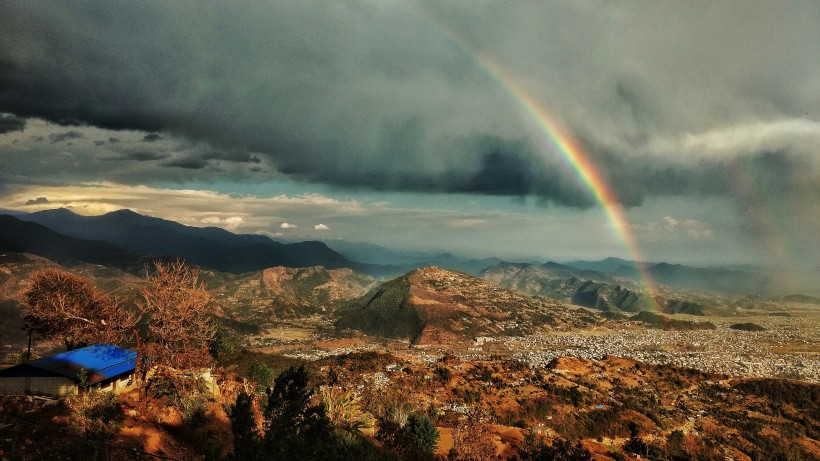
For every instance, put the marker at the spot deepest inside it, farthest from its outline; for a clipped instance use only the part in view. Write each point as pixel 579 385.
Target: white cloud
pixel 466 223
pixel 692 228
pixel 230 223
pixel 243 213
pixel 800 135
pixel 321 227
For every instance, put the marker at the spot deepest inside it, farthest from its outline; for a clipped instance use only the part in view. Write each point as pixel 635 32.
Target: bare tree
pixel 177 303
pixel 473 441
pixel 65 306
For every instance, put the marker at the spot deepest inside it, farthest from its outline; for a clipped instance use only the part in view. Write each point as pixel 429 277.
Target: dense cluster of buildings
pixel 731 352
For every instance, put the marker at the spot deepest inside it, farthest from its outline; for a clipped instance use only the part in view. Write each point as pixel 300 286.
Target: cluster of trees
pixel 65 306
pixel 294 421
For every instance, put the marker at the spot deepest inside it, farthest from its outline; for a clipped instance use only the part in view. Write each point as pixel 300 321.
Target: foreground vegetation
pixel 417 405
pixel 375 406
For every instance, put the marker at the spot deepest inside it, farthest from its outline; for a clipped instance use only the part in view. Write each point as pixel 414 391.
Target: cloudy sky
pixel 380 121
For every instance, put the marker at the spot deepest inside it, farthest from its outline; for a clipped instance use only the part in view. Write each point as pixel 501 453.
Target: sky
pixel 410 124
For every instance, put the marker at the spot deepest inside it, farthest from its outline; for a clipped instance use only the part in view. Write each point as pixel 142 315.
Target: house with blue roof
pixel 106 366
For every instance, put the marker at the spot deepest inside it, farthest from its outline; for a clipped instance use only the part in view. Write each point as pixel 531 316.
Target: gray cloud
pixel 188 163
pixel 140 155
pixel 11 122
pixel 38 201
pixel 394 98
pixel 67 135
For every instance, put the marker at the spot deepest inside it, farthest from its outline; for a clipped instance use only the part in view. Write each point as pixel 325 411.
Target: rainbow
pixel 557 137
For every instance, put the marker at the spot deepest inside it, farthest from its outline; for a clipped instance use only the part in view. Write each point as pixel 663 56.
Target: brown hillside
pixel 284 292
pixel 436 306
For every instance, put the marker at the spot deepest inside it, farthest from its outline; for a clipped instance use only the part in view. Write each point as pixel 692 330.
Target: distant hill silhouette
pixel 735 279
pixel 583 287
pixel 28 237
pixel 204 246
pixel 611 264
pixel 802 299
pixel 668 324
pixel 395 263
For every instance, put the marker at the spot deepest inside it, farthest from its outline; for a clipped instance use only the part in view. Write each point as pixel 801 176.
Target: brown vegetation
pixel 178 307
pixel 64 306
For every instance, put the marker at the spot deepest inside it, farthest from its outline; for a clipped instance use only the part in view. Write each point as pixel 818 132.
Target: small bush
pixel 193 409
pixel 261 374
pixel 96 417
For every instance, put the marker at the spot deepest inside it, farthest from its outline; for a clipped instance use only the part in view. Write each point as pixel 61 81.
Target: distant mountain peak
pixel 211 247
pixel 431 305
pixel 58 212
pixel 123 212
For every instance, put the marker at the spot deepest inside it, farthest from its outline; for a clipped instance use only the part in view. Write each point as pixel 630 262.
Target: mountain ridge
pixel 209 246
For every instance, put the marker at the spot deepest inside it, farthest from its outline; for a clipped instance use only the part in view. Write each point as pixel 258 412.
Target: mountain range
pixel 127 239
pixel 135 234
pixel 28 237
pixel 584 287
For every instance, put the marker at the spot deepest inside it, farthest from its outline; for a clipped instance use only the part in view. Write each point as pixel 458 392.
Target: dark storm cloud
pixel 231 156
pixel 392 97
pixel 60 137
pixel 11 122
pixel 188 163
pixel 139 155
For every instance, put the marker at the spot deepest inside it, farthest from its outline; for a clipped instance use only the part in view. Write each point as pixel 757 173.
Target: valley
pixel 524 351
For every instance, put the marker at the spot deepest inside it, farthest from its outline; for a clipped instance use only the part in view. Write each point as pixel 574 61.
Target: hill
pixel 29 237
pixel 393 262
pixel 710 278
pixel 203 246
pixel 282 292
pixel 584 287
pixel 747 326
pixel 668 324
pixel 435 306
pixel 802 299
pixel 737 279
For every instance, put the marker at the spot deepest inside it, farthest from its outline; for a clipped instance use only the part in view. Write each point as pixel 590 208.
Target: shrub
pixel 261 374
pixel 193 409
pixel 96 417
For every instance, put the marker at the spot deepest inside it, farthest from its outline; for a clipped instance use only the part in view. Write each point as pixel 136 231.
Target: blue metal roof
pixel 100 361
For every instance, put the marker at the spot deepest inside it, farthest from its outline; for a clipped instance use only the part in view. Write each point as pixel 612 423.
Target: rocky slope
pixel 283 292
pixel 435 306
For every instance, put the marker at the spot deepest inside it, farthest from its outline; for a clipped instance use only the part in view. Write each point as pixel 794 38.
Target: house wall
pixel 52 385
pixel 121 385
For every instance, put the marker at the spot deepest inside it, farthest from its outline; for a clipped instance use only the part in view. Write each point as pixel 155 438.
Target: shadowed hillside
pixel 28 237
pixel 203 246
